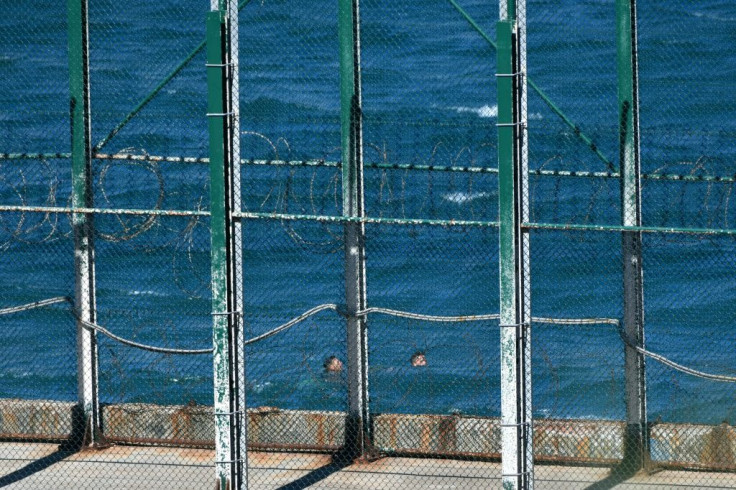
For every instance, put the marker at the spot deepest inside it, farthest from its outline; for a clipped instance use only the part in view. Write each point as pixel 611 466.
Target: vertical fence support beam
pixel 636 445
pixel 515 336
pixel 230 450
pixel 83 224
pixel 233 10
pixel 357 434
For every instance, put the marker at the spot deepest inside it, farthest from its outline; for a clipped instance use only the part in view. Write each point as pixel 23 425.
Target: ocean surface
pixel 429 98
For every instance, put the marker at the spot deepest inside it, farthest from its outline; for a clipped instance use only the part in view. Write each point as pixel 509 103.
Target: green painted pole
pixel 357 434
pixel 636 445
pixel 83 224
pixel 515 332
pixel 229 414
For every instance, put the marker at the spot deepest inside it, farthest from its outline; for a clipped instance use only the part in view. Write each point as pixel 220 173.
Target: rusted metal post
pixel 517 464
pixel 229 383
pixel 636 444
pixel 83 223
pixel 357 433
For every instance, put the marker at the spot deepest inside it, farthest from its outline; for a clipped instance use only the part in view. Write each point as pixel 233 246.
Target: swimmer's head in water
pixel 418 359
pixel 333 365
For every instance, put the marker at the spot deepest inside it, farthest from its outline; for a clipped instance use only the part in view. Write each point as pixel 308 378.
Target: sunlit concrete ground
pixel 42 466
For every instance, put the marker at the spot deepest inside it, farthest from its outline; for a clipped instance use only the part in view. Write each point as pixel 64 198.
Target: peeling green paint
pixel 636 446
pixel 83 224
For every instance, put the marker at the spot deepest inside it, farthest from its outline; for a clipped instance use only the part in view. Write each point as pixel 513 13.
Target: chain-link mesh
pixel 623 256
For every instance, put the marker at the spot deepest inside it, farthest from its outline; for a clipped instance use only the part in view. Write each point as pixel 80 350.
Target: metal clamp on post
pixel 519 74
pixel 520 424
pixel 229 461
pixel 513 325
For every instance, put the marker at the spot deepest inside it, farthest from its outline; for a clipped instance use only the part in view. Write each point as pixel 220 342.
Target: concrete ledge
pixel 598 442
pixel 35 419
pixel 694 446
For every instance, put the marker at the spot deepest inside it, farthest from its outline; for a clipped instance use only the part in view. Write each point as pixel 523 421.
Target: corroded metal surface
pixel 594 442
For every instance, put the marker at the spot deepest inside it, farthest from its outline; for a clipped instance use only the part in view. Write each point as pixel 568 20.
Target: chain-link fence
pixel 429 249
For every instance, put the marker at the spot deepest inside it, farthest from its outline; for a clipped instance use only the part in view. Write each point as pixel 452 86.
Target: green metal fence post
pixel 516 416
pixel 357 434
pixel 636 446
pixel 83 223
pixel 229 409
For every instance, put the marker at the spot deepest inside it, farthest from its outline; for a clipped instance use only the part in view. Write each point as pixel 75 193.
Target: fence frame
pixel 83 223
pixel 228 363
pixel 357 432
pixel 517 441
pixel 636 442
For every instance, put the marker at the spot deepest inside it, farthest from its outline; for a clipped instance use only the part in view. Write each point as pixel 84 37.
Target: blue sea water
pixel 429 97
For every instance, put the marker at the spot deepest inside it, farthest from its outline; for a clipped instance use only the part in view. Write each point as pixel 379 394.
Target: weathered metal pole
pixel 517 464
pixel 636 446
pixel 357 434
pixel 83 224
pixel 233 9
pixel 230 438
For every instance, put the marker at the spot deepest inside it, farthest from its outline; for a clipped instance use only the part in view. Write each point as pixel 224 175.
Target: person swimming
pixel 333 365
pixel 418 359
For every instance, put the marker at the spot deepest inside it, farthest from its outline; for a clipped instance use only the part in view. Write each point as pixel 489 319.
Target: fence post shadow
pixel 69 446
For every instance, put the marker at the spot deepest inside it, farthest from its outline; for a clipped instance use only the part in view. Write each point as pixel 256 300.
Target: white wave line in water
pixel 719 18
pixel 464 197
pixel 485 111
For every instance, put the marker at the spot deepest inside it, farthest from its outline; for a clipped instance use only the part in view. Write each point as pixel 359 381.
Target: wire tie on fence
pixel 219 114
pixel 509 125
pixel 217 65
pixel 509 75
pixel 224 313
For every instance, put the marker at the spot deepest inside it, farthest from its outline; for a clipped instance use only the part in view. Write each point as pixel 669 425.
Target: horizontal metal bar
pixel 509 75
pixel 33 156
pixel 224 313
pixel 726 179
pixel 574 173
pixel 217 65
pixel 508 125
pixel 368 220
pixel 69 210
pixel 220 114
pixel 619 228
